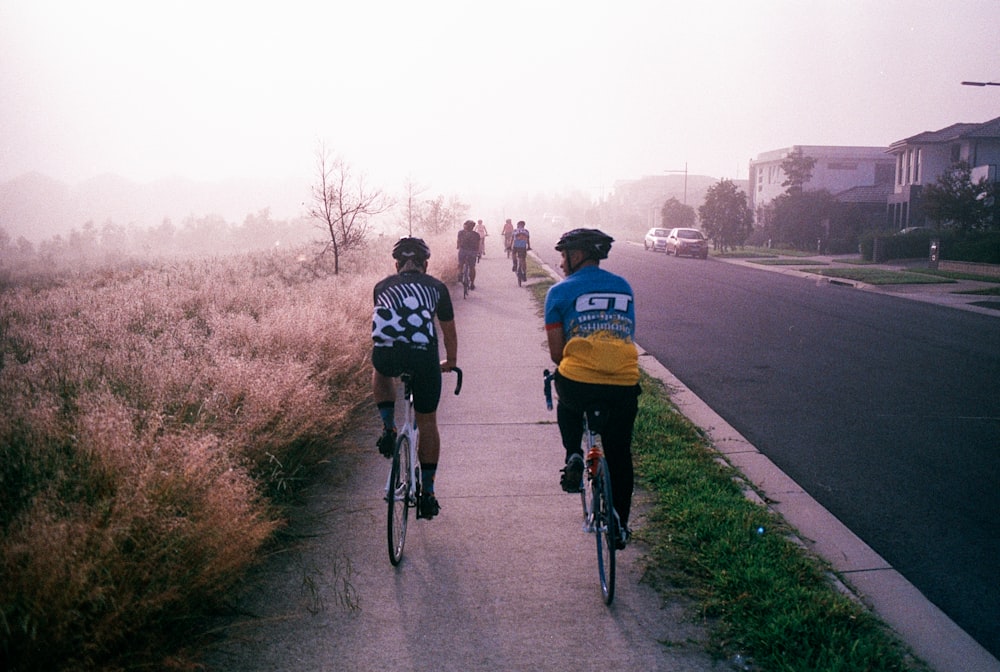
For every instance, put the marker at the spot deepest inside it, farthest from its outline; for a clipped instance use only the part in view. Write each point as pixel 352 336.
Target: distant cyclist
pixel 481 230
pixel 405 340
pixel 520 244
pixel 468 250
pixel 508 236
pixel 590 325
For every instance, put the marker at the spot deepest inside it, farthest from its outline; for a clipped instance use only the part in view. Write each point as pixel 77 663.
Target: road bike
pixel 402 488
pixel 466 278
pixel 599 515
pixel 519 268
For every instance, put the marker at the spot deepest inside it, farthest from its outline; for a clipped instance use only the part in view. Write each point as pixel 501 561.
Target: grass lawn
pixel 769 600
pixel 879 276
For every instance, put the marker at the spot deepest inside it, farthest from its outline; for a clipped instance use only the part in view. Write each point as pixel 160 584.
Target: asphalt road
pixel 886 410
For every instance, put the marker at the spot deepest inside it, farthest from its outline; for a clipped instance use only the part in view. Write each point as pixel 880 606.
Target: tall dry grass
pixel 151 416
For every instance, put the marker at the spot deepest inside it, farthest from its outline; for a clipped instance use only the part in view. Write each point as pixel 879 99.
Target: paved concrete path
pixel 502 579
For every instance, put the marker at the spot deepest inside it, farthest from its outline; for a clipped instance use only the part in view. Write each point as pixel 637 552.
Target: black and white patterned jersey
pixel 405 307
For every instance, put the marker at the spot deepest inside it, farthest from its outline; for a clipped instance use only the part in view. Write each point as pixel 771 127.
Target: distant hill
pixel 38 207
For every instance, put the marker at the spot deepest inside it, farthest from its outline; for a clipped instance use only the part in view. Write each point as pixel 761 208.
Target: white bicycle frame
pixel 408 428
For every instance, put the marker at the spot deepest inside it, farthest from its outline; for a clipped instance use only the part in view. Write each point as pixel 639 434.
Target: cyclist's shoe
pixel 572 473
pixel 387 442
pixel 624 536
pixel 429 506
pixel 472 286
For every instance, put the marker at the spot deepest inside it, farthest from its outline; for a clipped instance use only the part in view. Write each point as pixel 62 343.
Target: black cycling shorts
pixel 422 365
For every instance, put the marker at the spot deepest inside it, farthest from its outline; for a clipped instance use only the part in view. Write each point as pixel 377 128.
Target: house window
pixel 834 165
pixel 956 153
pixel 916 168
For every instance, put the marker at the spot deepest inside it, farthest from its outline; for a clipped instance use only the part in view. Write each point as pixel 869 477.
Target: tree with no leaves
pixel 344 203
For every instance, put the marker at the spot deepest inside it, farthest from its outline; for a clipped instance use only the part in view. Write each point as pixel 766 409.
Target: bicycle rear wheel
pixel 398 498
pixel 465 281
pixel 606 530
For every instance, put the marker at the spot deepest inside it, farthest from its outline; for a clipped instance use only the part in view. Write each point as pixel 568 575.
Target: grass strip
pixel 771 599
pixel 766 596
pixel 879 276
pixel 788 262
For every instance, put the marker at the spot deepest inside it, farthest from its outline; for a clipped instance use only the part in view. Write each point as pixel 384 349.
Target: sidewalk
pixel 504 578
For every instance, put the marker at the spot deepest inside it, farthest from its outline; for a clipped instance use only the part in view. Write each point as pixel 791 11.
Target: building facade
pixel 837 169
pixel 919 160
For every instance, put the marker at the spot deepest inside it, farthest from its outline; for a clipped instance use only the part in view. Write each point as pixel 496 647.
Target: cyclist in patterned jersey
pixel 520 244
pixel 405 340
pixel 590 325
pixel 468 250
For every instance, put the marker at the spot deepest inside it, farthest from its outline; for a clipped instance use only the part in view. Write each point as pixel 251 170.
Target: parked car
pixel 656 239
pixel 691 242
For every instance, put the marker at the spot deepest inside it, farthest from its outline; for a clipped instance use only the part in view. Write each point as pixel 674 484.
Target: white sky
pixel 469 96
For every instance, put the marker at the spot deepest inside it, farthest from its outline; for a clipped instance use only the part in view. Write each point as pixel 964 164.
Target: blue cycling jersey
pixel 596 311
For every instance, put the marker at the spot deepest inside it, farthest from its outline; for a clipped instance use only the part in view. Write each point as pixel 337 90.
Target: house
pixel 858 178
pixel 922 158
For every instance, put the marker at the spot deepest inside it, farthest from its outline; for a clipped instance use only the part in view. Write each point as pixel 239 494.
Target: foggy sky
pixel 476 97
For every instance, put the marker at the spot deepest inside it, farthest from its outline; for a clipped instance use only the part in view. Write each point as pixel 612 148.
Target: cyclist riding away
pixel 468 250
pixel 481 230
pixel 520 244
pixel 508 236
pixel 590 325
pixel 405 340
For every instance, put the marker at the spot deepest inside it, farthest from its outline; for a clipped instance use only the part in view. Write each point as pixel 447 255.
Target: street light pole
pixel 685 171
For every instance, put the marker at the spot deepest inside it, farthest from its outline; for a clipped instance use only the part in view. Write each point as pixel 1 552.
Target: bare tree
pixel 412 207
pixel 343 203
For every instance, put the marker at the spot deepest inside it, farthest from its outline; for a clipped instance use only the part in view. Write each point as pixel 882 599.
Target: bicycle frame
pixel 403 490
pixel 599 515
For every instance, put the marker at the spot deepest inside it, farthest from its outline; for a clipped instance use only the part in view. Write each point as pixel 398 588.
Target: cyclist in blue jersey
pixel 520 244
pixel 468 246
pixel 590 327
pixel 405 340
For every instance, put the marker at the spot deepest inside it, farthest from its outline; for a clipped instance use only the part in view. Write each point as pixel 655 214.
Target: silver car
pixel 690 242
pixel 656 239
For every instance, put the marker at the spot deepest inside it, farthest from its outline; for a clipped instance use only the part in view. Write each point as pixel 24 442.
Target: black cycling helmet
pixel 411 249
pixel 594 242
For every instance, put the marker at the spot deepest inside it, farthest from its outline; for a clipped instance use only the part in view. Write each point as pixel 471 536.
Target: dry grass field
pixel 153 416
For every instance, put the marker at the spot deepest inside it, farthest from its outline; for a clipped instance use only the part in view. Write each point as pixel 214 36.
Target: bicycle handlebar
pixel 458 385
pixel 547 378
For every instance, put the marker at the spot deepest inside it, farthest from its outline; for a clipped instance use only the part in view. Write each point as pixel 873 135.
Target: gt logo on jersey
pixel 603 301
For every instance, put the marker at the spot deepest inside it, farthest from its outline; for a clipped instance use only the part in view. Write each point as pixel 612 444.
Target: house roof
pixel 988 129
pixel 878 193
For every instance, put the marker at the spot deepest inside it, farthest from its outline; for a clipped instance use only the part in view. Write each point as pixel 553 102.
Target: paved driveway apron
pixel 503 578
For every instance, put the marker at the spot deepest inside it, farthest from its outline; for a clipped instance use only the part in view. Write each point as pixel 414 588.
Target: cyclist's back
pixel 468 250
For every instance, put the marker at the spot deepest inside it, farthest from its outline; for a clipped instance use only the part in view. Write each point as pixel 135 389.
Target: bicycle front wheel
pixel 606 530
pixel 397 497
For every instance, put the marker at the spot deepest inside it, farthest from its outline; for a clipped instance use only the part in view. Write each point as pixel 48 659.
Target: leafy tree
pixel 797 169
pixel 956 200
pixel 725 215
pixel 675 214
pixel 344 204
pixel 800 218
